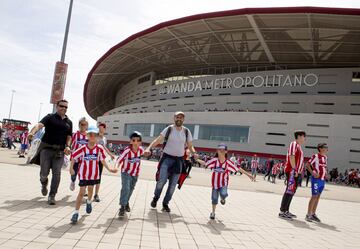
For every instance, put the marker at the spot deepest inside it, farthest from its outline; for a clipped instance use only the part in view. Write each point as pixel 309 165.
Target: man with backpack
pixel 175 139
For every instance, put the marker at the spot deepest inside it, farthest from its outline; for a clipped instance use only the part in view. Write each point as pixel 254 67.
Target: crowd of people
pixel 88 149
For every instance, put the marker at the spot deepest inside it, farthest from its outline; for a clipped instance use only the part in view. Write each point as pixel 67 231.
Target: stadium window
pixel 144 79
pixel 233 103
pixel 275 144
pixel 354 92
pixel 171 105
pixel 175 97
pixel 152 95
pixel 144 107
pixel 209 103
pixel 354 162
pixel 162 99
pixel 297 92
pixel 355 104
pixel 355 139
pixel 224 94
pixel 189 96
pixel 355 151
pixel 144 129
pixel 275 134
pixel 290 111
pixel 260 103
pixel 271 92
pixel 115 134
pixel 189 103
pixel 323 113
pixel 317 125
pixel 239 134
pixel 115 127
pixel 276 123
pixel 355 127
pixel 157 106
pixel 317 136
pixel 354 113
pixel 310 147
pixel 247 93
pixel 290 103
pixel 356 77
pixel 206 95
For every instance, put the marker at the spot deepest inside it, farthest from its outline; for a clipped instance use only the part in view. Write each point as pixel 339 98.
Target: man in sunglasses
pixel 54 144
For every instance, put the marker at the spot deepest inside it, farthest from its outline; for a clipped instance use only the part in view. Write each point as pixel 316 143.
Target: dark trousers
pixel 268 174
pixel 51 159
pixel 287 198
pixel 76 169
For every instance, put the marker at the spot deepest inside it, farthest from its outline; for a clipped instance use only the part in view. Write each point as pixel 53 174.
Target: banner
pixel 58 87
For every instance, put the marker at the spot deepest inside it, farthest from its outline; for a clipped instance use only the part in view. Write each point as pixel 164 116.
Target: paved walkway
pixel 248 220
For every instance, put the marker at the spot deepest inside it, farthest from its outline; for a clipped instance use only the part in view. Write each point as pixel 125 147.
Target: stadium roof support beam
pixel 187 46
pixel 311 38
pixel 260 38
pixel 141 59
pixel 220 40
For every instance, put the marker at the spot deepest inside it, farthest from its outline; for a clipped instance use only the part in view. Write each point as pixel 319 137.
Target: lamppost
pixel 58 87
pixel 40 111
pixel 11 102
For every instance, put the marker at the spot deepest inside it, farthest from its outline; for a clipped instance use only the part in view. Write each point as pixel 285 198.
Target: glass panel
pixel 144 129
pixel 228 133
pixel 158 128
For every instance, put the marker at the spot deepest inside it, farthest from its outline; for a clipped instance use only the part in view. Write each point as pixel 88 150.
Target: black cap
pixel 136 134
pixel 322 145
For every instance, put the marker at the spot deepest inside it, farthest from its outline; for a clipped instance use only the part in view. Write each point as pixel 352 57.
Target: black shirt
pixel 56 129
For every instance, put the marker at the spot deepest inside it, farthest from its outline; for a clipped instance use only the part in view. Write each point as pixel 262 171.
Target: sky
pixel 32 31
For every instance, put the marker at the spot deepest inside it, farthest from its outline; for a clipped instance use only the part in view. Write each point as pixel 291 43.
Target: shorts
pixel 83 183
pixel 24 146
pixel 216 192
pixel 317 186
pixel 253 171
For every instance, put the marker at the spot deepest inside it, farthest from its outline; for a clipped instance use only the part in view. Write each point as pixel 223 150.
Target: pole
pixel 40 111
pixel 11 102
pixel 63 52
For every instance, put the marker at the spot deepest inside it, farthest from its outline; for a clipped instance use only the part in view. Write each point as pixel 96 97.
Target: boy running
pixel 78 139
pixel 294 167
pixel 24 142
pixel 254 167
pixel 91 155
pixel 129 161
pixel 221 166
pixel 317 166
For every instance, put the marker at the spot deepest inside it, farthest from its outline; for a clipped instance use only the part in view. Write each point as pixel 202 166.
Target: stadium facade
pixel 249 77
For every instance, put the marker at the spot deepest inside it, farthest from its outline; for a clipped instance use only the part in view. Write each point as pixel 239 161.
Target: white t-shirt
pixel 175 145
pixel 102 141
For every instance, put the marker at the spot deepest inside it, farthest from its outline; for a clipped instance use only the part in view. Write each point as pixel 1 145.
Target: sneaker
pixel 51 200
pixel 222 201
pixel 291 215
pixel 315 218
pixel 127 208
pixel 88 207
pixel 44 190
pixel 285 216
pixel 96 198
pixel 74 218
pixel 72 186
pixel 309 218
pixel 212 216
pixel 166 208
pixel 154 202
pixel 121 211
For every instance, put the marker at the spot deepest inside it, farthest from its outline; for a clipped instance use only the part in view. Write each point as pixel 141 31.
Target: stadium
pixel 249 77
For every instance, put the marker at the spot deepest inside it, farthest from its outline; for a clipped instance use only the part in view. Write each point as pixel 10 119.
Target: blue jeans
pixel 164 175
pixel 215 194
pixel 128 183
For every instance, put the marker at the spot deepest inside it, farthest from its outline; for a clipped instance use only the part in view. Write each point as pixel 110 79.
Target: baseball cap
pixel 135 134
pixel 222 146
pixel 179 113
pixel 102 124
pixel 92 129
pixel 322 145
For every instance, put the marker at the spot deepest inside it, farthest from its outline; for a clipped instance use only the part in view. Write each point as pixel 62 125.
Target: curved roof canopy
pixel 292 38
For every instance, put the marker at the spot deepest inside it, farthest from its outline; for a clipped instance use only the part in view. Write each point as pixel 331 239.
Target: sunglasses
pixel 135 140
pixel 83 124
pixel 63 106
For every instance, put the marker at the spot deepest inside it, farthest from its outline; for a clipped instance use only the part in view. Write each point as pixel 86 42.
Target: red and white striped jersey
pixel 319 164
pixel 276 168
pixel 130 161
pixel 78 140
pixel 24 138
pixel 295 150
pixel 89 161
pixel 254 163
pixel 220 172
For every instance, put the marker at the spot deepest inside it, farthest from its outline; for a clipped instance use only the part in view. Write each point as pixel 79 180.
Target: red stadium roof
pixel 290 38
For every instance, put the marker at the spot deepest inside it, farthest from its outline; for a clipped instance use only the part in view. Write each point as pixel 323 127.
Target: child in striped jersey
pixel 221 166
pixel 129 161
pixel 89 175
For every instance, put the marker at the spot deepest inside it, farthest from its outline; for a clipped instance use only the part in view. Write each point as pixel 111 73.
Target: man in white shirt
pixel 175 138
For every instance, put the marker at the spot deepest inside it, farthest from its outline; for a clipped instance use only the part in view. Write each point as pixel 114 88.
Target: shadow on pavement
pixel 23 205
pixel 326 226
pixel 300 224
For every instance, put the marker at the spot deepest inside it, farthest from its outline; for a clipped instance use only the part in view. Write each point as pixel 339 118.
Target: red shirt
pixel 254 163
pixel 78 140
pixel 24 138
pixel 295 150
pixel 319 164
pixel 130 161
pixel 220 174
pixel 89 164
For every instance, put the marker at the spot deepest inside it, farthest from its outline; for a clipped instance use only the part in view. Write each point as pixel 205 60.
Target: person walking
pixel 294 167
pixel 54 144
pixel 175 138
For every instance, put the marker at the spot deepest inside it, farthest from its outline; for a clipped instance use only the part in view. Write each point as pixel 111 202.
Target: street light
pixel 11 102
pixel 40 111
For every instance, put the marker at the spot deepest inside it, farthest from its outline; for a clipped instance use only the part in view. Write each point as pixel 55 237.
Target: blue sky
pixel 31 35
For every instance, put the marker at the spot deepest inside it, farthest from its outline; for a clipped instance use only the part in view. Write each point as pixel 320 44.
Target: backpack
pixel 168 134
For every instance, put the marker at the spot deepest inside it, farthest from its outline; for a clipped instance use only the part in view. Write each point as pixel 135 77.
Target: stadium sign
pixel 277 80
